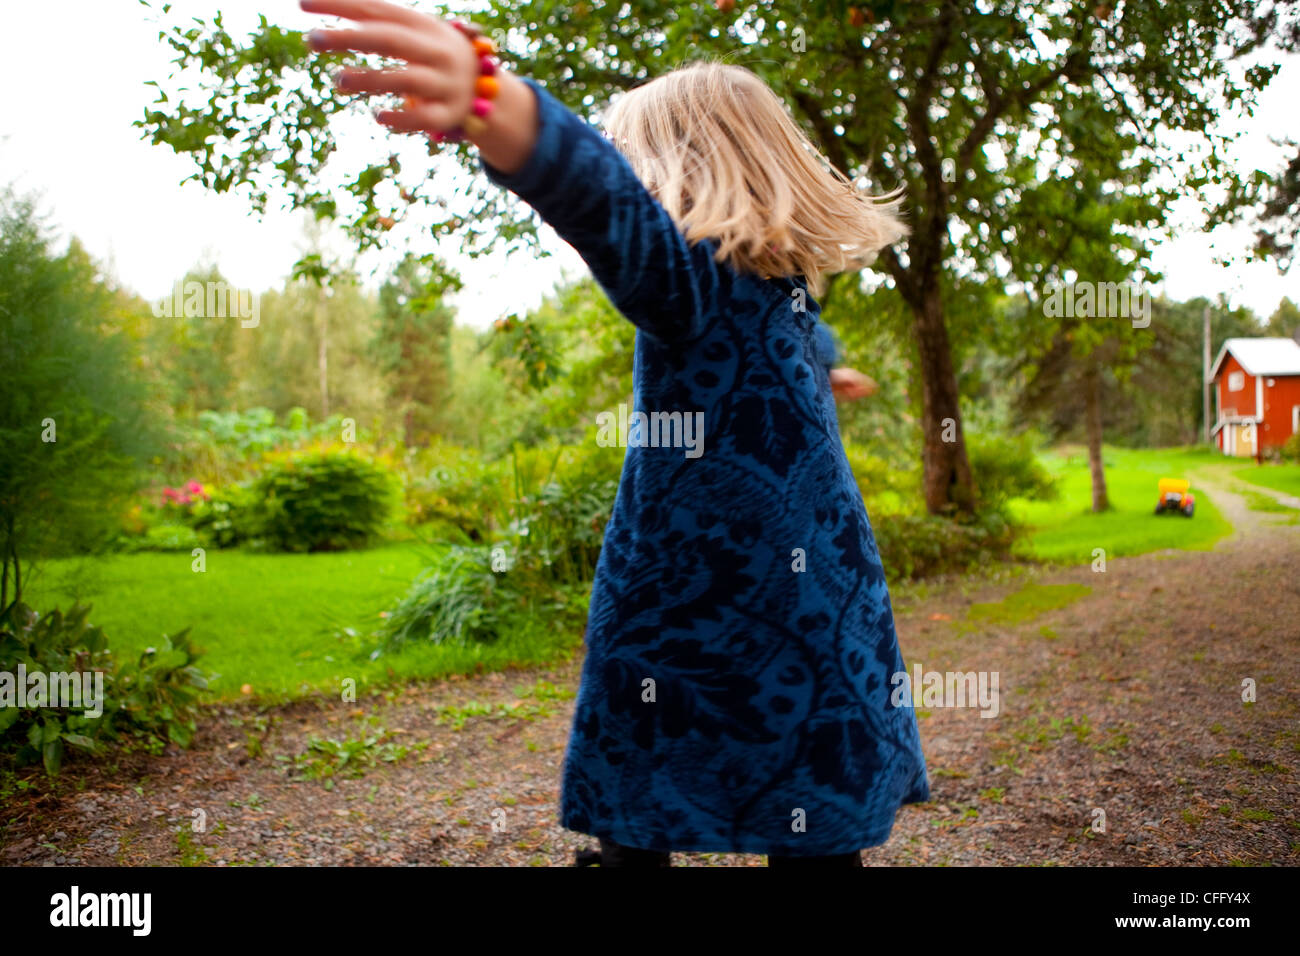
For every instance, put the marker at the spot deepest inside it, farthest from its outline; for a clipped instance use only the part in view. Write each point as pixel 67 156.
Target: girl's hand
pixel 850 384
pixel 438 81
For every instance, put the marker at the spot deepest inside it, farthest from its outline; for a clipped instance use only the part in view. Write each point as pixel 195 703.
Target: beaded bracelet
pixel 486 87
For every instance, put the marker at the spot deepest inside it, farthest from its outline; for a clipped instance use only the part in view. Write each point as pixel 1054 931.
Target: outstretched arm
pixel 533 145
pixel 849 383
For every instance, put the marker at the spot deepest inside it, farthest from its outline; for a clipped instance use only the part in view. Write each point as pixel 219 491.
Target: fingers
pixel 367 10
pixel 416 81
pixel 397 32
pixel 385 39
pixel 852 387
pixel 418 117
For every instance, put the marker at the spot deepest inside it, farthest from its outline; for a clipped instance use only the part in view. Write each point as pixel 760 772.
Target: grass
pixel 1285 478
pixel 1259 501
pixel 541 693
pixel 1026 604
pixel 1068 531
pixel 289 625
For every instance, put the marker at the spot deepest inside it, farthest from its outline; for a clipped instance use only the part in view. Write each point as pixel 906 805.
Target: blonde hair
pixel 718 149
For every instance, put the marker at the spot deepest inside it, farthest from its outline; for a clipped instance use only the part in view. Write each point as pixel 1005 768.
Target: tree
pixel 195 347
pixel 572 356
pixel 1273 199
pixel 74 421
pixel 1157 402
pixel 1083 312
pixel 413 344
pixel 1285 320
pixel 977 110
pixel 311 349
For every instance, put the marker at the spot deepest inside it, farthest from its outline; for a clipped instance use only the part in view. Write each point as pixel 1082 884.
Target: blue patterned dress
pixel 740 648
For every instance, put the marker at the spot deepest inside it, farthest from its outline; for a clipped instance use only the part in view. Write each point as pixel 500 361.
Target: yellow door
pixel 1244 436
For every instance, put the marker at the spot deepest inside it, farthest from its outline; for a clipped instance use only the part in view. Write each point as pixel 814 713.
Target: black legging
pixel 615 854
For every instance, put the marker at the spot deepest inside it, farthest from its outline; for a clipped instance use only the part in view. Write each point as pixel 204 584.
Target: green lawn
pixel 277 621
pixel 274 621
pixel 1067 531
pixel 1284 478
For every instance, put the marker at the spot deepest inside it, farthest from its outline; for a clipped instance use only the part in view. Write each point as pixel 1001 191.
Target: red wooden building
pixel 1257 391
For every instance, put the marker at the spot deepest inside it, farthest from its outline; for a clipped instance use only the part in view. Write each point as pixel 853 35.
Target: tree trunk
pixel 1092 401
pixel 11 557
pixel 947 480
pixel 322 355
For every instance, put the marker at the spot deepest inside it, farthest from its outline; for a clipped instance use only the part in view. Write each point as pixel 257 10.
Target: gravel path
pixel 1122 738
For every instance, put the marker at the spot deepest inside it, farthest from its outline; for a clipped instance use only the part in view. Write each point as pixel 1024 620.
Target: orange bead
pixel 484 46
pixel 487 87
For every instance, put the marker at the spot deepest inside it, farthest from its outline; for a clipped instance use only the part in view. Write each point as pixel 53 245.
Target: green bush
pixel 480 594
pixel 323 501
pixel 550 501
pixel 152 699
pixel 544 537
pixel 561 503
pixel 457 491
pixel 228 446
pixel 1006 468
pixel 885 487
pixel 459 601
pixel 918 546
pixel 161 537
pixel 227 518
pixel 1291 449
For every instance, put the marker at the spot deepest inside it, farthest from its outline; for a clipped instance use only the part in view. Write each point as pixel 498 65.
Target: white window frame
pixel 1236 381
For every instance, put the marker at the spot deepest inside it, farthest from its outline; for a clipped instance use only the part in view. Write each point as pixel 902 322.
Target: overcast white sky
pixel 74 72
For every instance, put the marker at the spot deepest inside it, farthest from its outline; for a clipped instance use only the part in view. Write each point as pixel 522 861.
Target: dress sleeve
pixel 586 190
pixel 828 346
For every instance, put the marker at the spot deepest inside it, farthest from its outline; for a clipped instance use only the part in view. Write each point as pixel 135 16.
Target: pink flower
pixel 175 495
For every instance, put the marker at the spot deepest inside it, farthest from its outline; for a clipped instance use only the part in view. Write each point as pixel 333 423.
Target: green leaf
pixel 52 756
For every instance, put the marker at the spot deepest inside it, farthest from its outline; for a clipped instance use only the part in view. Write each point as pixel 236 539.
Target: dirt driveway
pixel 1122 738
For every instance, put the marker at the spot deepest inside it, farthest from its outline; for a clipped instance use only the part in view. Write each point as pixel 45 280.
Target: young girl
pixel 739 688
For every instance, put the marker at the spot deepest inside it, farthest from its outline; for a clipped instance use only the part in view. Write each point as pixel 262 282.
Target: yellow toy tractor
pixel 1175 497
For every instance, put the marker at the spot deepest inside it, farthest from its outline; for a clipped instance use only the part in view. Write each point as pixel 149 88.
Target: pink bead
pixel 482 107
pixel 487 66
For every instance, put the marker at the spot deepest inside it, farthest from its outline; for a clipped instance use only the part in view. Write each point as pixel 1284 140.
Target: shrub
pixel 918 546
pixel 551 502
pixel 161 537
pixel 1291 449
pixel 561 504
pixel 885 487
pixel 225 447
pixel 227 518
pixel 454 488
pixel 1006 468
pixel 323 501
pixel 458 601
pixel 164 522
pixel 480 594
pixel 154 698
pixel 542 560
